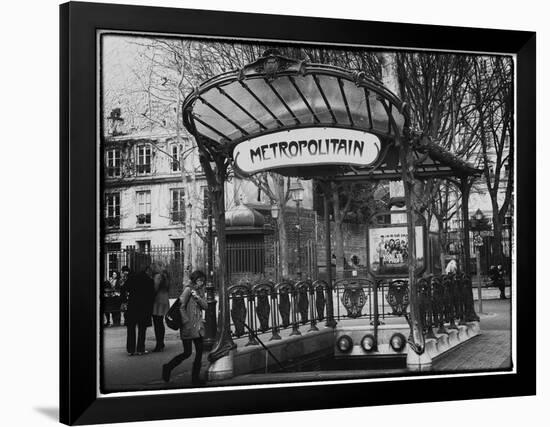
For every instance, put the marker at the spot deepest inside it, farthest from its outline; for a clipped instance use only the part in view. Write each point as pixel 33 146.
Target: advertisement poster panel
pixel 389 250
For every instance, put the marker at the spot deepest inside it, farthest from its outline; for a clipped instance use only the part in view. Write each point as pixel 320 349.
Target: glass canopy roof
pixel 277 93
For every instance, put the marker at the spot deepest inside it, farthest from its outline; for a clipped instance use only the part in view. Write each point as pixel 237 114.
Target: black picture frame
pixel 79 222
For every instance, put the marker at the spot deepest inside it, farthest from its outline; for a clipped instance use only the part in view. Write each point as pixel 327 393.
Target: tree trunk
pixel 497 239
pixel 415 321
pixel 216 181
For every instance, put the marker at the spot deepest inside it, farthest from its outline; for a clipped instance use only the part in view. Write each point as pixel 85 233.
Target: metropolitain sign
pixel 306 147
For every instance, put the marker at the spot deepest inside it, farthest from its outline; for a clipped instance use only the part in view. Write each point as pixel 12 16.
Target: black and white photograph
pixel 290 213
pixel 286 213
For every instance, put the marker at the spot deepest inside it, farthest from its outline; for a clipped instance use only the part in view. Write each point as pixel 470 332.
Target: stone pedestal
pixel 418 362
pixel 221 369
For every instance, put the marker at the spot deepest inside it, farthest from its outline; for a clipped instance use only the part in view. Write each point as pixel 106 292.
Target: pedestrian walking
pixel 497 277
pixel 114 301
pixel 193 303
pixel 140 295
pixel 123 301
pixel 160 308
pixel 106 303
pixel 452 267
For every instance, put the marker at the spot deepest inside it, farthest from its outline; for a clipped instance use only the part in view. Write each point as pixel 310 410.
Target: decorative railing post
pixel 302 291
pixel 251 338
pixel 262 293
pixel 376 315
pixel 295 327
pixel 210 316
pixel 312 306
pixel 237 295
pixel 438 304
pixel 427 307
pixel 469 309
pixel 320 288
pixel 449 283
pixel 274 318
pixel 461 281
pixel 284 291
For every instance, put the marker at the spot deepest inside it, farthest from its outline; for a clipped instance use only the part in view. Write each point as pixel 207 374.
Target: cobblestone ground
pixel 489 351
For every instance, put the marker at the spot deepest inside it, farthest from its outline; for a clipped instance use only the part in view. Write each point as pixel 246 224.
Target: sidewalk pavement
pixel 489 351
pixel 132 373
pixel 489 292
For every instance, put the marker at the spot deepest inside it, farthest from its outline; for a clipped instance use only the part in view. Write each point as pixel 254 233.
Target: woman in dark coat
pixel 140 295
pixel 193 303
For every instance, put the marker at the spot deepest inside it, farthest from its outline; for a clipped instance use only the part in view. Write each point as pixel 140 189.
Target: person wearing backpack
pixel 192 304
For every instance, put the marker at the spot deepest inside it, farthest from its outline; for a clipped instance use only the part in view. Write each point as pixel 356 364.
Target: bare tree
pixel 492 88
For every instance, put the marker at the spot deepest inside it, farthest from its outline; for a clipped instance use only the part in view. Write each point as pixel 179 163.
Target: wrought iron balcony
pixel 112 222
pixel 177 216
pixel 144 219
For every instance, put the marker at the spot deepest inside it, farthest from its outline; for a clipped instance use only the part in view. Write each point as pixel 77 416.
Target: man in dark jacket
pixel 139 291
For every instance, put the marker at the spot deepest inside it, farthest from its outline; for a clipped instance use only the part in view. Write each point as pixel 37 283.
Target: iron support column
pixel 331 323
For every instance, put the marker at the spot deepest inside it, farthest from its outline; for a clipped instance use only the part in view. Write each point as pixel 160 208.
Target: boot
pixel 166 371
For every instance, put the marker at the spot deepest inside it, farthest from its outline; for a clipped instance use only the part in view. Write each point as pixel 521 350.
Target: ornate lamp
pixel 296 191
pixel 275 211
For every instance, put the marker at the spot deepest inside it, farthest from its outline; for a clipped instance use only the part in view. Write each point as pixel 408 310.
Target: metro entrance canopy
pixel 311 121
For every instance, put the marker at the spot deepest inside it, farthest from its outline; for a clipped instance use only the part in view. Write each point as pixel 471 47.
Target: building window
pixel 144 207
pixel 112 210
pixel 113 162
pixel 205 202
pixel 113 258
pixel 143 154
pixel 144 246
pixel 177 213
pixel 176 153
pixel 178 249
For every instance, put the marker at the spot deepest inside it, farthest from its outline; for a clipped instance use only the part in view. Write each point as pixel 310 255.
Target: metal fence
pixel 487 255
pixel 168 259
pixel 263 309
pixel 245 260
pixel 249 260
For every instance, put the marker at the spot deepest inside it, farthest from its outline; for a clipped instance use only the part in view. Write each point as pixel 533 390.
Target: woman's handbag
pixel 173 317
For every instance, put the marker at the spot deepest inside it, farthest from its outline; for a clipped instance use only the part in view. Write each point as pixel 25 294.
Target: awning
pixel 278 93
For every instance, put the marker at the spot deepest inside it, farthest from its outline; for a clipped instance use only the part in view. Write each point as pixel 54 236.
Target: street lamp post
pixel 297 194
pixel 277 245
pixel 477 222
